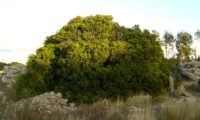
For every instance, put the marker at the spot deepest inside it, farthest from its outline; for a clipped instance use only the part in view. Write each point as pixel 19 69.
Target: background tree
pixel 168 42
pixel 184 40
pixel 197 35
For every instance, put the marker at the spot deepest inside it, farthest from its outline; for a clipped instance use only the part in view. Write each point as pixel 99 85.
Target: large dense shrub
pixel 92 58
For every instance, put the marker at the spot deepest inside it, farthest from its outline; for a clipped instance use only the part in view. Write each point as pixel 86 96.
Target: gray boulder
pixel 42 106
pixel 11 72
pixel 191 70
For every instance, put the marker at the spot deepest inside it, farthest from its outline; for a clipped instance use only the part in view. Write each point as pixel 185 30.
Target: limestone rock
pixel 179 94
pixel 191 70
pixel 42 105
pixel 11 72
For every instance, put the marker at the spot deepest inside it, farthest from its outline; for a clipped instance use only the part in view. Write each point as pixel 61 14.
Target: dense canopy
pixel 91 58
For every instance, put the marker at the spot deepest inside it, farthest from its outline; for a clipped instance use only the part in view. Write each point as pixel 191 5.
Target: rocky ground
pixel 51 104
pixel 43 105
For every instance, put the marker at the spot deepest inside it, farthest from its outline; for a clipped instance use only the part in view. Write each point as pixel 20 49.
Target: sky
pixel 25 24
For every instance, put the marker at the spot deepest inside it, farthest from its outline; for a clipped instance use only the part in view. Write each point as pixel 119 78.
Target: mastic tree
pixel 91 58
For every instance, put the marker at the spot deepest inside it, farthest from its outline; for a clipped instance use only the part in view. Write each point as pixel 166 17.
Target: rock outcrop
pixel 191 73
pixel 190 70
pixel 43 106
pixel 11 72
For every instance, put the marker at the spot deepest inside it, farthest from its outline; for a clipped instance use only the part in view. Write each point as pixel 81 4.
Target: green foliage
pixel 197 34
pixel 168 37
pixel 170 67
pixel 99 27
pixel 168 42
pixel 92 58
pixel 184 41
pixel 2 64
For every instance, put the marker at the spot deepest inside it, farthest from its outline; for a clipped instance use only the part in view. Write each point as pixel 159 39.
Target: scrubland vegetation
pixel 93 58
pixel 105 68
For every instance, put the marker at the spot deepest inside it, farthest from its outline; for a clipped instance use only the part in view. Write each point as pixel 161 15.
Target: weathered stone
pixel 182 94
pixel 191 70
pixel 10 73
pixel 2 93
pixel 43 105
pixel 134 109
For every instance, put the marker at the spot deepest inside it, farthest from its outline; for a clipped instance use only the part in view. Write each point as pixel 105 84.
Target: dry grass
pixel 135 108
pixel 182 111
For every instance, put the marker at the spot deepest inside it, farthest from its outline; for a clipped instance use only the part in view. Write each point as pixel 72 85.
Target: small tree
pixel 197 35
pixel 168 42
pixel 184 40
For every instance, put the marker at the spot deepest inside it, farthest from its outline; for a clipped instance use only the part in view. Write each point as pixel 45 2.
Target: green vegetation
pixel 197 34
pixel 184 41
pixel 92 58
pixel 168 42
pixel 2 64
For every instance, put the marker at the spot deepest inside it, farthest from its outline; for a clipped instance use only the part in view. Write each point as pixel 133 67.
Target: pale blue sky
pixel 24 24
